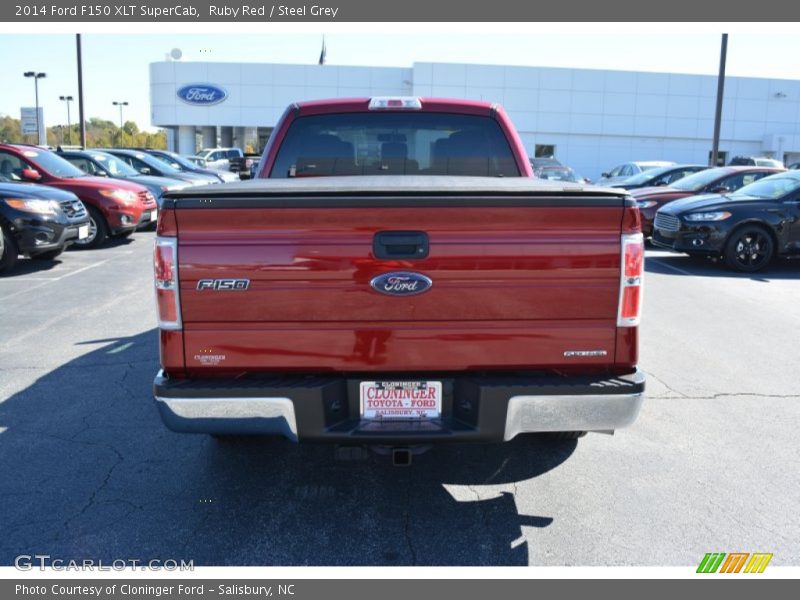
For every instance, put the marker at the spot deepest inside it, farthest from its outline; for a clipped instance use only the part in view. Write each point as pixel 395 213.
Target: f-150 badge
pixel 222 285
pixel 401 283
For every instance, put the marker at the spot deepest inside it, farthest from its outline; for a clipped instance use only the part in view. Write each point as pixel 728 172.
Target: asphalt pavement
pixel 87 470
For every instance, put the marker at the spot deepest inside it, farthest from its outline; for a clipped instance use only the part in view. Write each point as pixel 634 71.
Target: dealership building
pixel 591 120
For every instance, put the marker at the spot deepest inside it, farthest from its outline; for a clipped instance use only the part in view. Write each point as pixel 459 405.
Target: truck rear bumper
pixel 487 408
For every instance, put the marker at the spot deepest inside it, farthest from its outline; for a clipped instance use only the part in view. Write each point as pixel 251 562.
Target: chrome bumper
pixel 266 416
pixel 529 414
pixel 326 408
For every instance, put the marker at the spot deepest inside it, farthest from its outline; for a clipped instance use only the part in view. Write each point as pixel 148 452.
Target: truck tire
pixel 98 231
pixel 48 255
pixel 749 249
pixel 9 252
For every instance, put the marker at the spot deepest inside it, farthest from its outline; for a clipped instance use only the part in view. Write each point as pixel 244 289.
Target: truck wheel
pixel 749 249
pixel 48 255
pixel 9 252
pixel 564 435
pixel 98 231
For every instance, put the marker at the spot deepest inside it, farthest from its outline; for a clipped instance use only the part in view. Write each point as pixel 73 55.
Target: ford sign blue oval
pixel 203 94
pixel 401 283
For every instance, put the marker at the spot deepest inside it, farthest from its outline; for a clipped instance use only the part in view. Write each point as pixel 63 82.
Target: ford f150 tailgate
pixel 479 274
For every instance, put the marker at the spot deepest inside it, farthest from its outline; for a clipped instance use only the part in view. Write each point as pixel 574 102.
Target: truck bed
pixel 525 275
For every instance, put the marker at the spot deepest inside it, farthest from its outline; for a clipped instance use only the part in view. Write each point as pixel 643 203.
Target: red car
pixel 445 296
pixel 116 207
pixel 710 181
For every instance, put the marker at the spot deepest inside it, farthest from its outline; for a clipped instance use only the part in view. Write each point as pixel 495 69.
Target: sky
pixel 116 66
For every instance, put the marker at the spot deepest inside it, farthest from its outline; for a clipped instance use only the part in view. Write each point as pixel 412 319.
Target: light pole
pixel 68 99
pixel 36 77
pixel 120 104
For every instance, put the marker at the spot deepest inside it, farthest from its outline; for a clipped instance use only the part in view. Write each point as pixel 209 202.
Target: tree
pixel 100 133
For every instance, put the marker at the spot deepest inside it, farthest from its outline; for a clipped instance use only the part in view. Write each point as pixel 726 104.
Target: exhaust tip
pixel 401 457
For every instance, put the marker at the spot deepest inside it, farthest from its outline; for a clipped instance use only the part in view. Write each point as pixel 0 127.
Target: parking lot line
pixel 672 267
pixel 46 280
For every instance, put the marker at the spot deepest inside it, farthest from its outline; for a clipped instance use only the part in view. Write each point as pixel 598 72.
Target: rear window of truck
pixel 394 143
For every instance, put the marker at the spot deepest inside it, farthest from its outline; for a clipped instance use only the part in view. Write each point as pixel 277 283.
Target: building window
pixel 544 151
pixel 722 158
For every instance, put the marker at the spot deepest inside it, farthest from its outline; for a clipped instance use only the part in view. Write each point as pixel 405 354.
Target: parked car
pixel 220 158
pixel 103 164
pixel 746 228
pixel 544 161
pixel 629 169
pixel 182 163
pixel 115 206
pixel 38 221
pixel 435 341
pixel 558 174
pixel 150 165
pixel 234 160
pixel 709 181
pixel 658 176
pixel 200 162
pixel 756 161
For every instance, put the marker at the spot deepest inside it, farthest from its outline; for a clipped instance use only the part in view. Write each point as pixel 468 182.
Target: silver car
pixel 629 169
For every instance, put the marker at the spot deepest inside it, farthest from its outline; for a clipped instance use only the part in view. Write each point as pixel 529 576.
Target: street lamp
pixel 68 99
pixel 36 77
pixel 120 104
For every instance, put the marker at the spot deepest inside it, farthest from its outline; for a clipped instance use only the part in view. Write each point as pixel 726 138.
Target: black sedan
pixel 747 228
pixel 658 176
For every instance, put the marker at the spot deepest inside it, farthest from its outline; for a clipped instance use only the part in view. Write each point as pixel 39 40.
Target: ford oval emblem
pixel 203 94
pixel 401 283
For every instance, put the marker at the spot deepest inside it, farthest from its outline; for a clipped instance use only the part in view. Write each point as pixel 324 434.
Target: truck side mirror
pixel 31 175
pixel 604 175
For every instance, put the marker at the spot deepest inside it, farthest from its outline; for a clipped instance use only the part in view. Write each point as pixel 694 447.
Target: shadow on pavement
pixel 87 470
pixel 682 265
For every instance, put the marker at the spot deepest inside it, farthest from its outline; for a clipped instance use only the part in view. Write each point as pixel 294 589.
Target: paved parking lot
pixel 88 471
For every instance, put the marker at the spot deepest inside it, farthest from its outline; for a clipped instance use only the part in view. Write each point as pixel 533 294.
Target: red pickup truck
pixel 419 306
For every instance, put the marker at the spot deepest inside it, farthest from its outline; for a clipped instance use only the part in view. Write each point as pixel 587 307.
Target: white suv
pixel 220 158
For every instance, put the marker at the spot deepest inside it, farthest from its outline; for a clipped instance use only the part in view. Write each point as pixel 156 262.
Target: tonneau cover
pixel 397 185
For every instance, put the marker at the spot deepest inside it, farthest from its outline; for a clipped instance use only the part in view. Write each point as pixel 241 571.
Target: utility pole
pixel 80 90
pixel 36 77
pixel 120 104
pixel 68 99
pixel 720 91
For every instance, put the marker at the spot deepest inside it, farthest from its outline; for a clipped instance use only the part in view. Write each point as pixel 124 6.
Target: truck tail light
pixel 630 285
pixel 165 264
pixel 395 103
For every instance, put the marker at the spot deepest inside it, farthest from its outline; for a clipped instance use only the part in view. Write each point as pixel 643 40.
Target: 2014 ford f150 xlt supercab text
pixel 401 309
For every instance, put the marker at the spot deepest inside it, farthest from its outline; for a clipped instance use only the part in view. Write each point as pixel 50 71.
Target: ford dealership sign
pixel 202 94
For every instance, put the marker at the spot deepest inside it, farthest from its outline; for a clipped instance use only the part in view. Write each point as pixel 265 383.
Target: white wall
pixel 259 93
pixel 596 119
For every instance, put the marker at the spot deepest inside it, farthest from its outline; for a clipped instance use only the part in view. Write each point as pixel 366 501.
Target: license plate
pixel 153 215
pixel 83 232
pixel 382 400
